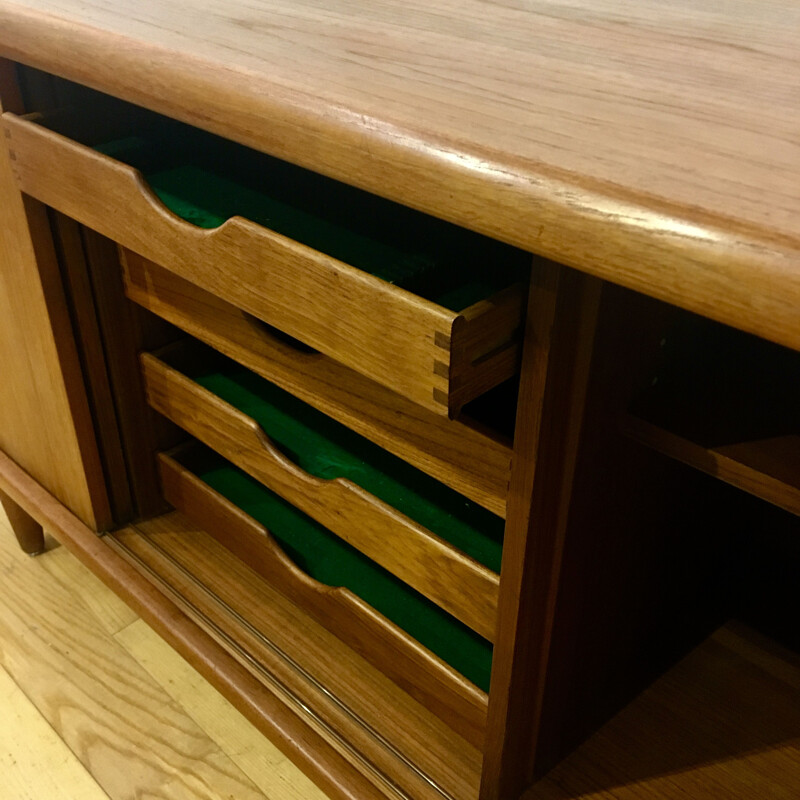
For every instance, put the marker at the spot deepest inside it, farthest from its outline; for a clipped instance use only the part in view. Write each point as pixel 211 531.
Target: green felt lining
pixel 333 562
pixel 327 449
pixel 205 181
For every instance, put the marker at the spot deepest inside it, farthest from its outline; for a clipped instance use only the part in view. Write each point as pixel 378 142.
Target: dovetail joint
pixel 441 368
pixel 441 340
pixel 441 397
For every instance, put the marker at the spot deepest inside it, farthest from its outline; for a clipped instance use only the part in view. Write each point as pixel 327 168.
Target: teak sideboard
pixel 426 375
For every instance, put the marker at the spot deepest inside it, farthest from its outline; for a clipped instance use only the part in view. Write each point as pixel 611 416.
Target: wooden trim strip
pixel 486 345
pixel 84 313
pixel 448 577
pixel 318 759
pixel 559 339
pixel 766 468
pixel 476 378
pixel 490 323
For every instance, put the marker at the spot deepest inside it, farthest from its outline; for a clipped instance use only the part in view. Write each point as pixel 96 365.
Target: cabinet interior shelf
pixel 725 403
pixel 767 468
pixel 729 713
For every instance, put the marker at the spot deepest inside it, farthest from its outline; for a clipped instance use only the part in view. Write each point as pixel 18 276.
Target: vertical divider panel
pixel 557 350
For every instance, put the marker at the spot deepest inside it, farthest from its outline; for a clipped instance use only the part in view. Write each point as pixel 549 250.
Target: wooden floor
pixel 94 705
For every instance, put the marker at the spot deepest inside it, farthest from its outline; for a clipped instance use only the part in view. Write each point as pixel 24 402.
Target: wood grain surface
pixel 34 612
pixel 652 144
pixel 34 760
pixel 45 713
pixel 263 763
pixel 724 722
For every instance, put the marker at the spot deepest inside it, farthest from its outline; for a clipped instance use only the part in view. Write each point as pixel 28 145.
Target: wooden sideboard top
pixel 653 144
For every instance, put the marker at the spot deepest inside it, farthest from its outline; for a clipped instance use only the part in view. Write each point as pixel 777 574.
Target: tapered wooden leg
pixel 28 531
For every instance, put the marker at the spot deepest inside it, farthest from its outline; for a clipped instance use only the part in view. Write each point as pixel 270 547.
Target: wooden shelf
pixel 723 723
pixel 725 403
pixel 767 468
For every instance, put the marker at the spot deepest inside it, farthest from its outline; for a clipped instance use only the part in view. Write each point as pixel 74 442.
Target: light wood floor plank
pixel 34 761
pixel 111 612
pixel 120 724
pixel 263 763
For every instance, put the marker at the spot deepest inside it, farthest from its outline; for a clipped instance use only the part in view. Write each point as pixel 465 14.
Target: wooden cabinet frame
pixel 571 389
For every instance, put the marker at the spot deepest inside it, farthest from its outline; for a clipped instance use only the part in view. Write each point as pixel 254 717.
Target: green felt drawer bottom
pixel 328 559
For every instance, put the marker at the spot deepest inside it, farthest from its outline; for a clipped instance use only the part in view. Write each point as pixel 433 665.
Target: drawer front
pixel 186 474
pixel 435 357
pixel 457 583
pixel 467 460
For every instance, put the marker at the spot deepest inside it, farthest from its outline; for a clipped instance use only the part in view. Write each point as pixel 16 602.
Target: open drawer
pixel 472 459
pixel 421 649
pixel 445 547
pixel 425 308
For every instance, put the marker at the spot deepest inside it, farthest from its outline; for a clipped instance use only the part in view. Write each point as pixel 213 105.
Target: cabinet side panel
pixel 45 425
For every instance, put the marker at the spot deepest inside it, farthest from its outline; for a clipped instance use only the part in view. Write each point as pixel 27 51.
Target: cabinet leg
pixel 28 531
